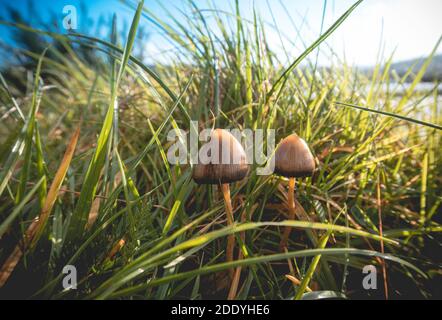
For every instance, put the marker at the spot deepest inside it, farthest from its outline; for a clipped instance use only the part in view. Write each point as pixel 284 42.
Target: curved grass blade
pixel 9 95
pixel 312 268
pixel 88 190
pixel 35 229
pixel 144 262
pixel 257 260
pixel 17 209
pixel 279 83
pixel 24 142
pixel 30 130
pixel 72 36
pixel 390 114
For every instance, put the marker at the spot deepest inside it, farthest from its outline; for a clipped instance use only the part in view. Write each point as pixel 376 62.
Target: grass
pixel 137 227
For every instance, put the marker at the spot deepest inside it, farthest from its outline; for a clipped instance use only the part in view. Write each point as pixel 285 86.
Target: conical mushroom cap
pixel 225 162
pixel 293 158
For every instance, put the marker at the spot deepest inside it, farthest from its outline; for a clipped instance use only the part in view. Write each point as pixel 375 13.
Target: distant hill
pixel 433 73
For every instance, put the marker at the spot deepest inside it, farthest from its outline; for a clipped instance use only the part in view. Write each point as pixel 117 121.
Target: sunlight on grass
pixel 138 227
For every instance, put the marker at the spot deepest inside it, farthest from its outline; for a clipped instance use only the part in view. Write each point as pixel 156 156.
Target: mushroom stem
pixel 229 212
pixel 292 212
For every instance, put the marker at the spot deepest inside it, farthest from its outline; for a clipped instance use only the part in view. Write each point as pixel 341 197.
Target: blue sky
pixel 410 27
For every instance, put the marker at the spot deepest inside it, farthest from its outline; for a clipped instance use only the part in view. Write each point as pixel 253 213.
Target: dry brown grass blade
pixel 116 248
pixel 296 281
pixel 327 151
pixel 57 182
pixel 15 256
pixel 93 213
pixel 235 281
pixel 327 137
pixel 37 225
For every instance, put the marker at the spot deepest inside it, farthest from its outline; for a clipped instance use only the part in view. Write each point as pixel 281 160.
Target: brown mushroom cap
pixel 293 158
pixel 223 167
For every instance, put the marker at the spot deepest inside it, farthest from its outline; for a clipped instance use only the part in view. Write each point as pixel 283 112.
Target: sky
pixel 409 27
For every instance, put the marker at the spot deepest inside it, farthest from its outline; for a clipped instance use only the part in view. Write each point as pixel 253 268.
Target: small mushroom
pixel 293 159
pixel 226 165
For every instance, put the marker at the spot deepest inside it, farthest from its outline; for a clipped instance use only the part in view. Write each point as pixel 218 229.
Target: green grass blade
pixel 29 134
pixel 390 114
pixel 279 83
pixel 258 260
pixel 79 217
pixel 17 209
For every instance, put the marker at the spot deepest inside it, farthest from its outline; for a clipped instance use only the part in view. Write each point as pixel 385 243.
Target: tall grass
pixel 137 227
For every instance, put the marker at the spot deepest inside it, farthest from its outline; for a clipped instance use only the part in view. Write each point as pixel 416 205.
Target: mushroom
pixel 225 165
pixel 293 159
